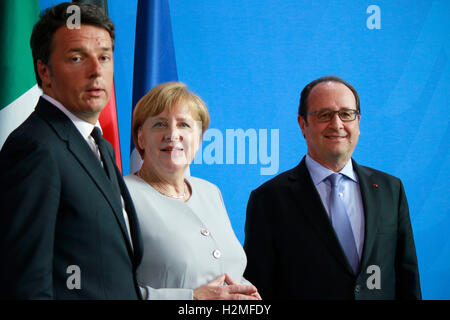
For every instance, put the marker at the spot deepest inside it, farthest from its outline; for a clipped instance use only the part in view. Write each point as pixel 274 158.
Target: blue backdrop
pixel 249 61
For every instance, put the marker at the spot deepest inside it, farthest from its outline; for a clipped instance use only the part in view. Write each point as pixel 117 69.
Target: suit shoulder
pixel 282 179
pixel 377 172
pixel 379 175
pixel 34 140
pixel 34 128
pixel 202 184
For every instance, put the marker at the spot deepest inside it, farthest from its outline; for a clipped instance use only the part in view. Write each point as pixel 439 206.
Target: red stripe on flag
pixel 110 127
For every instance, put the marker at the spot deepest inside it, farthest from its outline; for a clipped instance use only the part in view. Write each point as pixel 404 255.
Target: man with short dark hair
pixel 330 228
pixel 68 227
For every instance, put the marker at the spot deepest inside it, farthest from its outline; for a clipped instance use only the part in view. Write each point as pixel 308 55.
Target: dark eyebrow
pixel 75 50
pixel 104 49
pixel 343 109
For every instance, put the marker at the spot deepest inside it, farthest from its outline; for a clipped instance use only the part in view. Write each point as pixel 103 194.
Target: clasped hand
pixel 225 288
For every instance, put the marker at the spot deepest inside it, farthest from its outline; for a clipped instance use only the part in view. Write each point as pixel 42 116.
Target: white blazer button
pixel 217 254
pixel 205 232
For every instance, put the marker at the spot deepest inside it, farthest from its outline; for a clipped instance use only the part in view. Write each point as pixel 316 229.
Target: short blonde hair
pixel 165 96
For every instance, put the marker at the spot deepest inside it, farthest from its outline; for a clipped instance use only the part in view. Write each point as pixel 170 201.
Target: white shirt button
pixel 204 232
pixel 341 194
pixel 217 254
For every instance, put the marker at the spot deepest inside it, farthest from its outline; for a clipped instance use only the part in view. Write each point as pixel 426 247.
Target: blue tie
pixel 341 222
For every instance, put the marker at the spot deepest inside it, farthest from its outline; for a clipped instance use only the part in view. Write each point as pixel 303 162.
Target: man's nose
pixel 95 67
pixel 336 122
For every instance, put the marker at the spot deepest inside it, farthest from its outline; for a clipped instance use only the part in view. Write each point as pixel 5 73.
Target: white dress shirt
pixel 349 191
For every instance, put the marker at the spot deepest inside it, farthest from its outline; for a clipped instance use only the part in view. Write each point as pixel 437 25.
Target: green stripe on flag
pixel 17 18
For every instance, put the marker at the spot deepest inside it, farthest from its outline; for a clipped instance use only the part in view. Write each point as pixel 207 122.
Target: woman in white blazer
pixel 190 249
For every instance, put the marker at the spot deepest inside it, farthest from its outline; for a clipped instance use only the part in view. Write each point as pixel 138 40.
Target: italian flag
pixel 19 92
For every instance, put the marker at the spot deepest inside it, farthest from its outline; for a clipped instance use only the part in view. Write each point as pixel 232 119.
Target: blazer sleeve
pixel 149 293
pixel 407 271
pixel 29 196
pixel 259 246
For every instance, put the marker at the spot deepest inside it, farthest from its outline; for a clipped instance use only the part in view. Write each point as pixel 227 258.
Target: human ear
pixel 302 123
pixel 141 139
pixel 44 73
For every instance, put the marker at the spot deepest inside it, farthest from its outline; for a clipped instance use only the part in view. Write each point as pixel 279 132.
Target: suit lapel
pixel 371 199
pixel 118 184
pixel 87 159
pixel 133 220
pixel 311 205
pixel 76 144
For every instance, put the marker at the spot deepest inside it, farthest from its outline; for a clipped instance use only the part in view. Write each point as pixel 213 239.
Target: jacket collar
pixel 77 145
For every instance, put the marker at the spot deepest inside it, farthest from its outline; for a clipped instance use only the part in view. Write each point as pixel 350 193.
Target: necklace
pixel 175 197
pixel 166 194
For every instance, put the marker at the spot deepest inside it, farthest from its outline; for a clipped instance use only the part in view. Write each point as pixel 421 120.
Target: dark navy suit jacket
pixel 59 209
pixel 293 251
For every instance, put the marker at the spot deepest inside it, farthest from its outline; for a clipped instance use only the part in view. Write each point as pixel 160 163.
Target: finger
pixel 230 280
pixel 241 288
pixel 218 281
pixel 256 295
pixel 238 296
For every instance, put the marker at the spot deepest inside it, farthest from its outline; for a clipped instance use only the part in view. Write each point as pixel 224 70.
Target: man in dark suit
pixel 330 228
pixel 68 227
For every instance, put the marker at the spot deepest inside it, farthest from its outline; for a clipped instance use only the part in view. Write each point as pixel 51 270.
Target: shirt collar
pixel 84 127
pixel 319 173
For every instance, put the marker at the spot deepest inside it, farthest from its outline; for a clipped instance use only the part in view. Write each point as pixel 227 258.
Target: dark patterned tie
pixel 108 163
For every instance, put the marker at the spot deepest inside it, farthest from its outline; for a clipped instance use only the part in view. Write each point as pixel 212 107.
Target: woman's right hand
pixel 216 290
